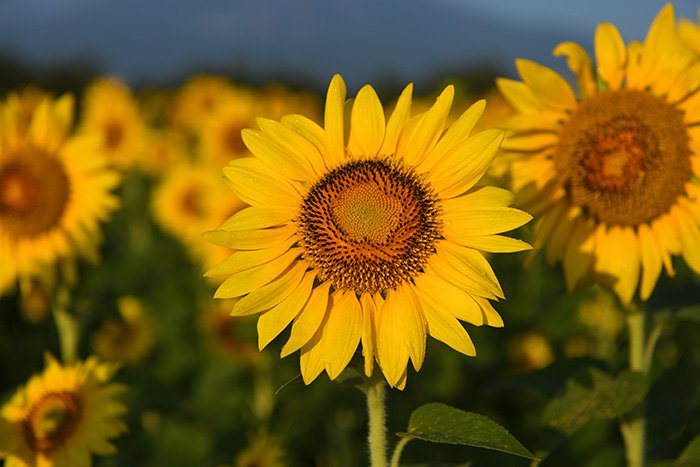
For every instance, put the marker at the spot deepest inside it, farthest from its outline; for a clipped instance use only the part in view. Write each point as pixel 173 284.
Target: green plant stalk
pixel 67 326
pixel 376 394
pixel 634 427
pixel 397 451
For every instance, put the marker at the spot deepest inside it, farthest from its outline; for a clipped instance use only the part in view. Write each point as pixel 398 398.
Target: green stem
pixel 634 427
pixel 67 326
pixel 397 451
pixel 376 395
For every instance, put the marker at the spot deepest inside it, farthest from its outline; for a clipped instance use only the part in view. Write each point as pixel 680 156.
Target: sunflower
pixel 62 416
pixel 611 174
pixel 197 99
pixel 374 240
pixel 55 188
pixel 130 339
pixel 192 198
pixel 110 110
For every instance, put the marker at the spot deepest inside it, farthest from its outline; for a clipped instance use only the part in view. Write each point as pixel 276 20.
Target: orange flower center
pixel 369 225
pixel 51 421
pixel 623 156
pixel 34 192
pixel 114 135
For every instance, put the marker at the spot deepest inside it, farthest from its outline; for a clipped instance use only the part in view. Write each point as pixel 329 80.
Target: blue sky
pixel 365 40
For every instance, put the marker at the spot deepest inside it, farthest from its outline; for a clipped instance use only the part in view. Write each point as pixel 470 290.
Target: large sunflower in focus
pixel 54 189
pixel 612 174
pixel 374 239
pixel 62 416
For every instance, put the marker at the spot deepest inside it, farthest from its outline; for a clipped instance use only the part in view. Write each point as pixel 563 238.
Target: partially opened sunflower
pixel 611 172
pixel 376 238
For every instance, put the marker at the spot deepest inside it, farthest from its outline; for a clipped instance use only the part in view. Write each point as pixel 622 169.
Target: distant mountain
pixel 365 40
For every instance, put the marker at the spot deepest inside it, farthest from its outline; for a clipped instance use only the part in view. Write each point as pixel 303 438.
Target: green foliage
pixel 608 398
pixel 440 423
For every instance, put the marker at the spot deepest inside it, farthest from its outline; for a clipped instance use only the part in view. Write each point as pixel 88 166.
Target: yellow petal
pixel 307 323
pixel 302 150
pixel 466 269
pixel 367 124
pixel 561 235
pixel 463 167
pixel 546 84
pixel 452 299
pixel 477 222
pixel 341 332
pixel 396 122
pixel 250 239
pixel 611 55
pixel 491 316
pixel 309 130
pixel 618 261
pixel 252 279
pixel 578 254
pixel 416 141
pixel 254 184
pixel 580 63
pixel 278 154
pixel 334 121
pixel 392 351
pixel 274 320
pixel 444 327
pixel 266 296
pixel 689 236
pixel 242 260
pixel 519 95
pixel 651 261
pixel 455 135
pixel 369 312
pixel 255 217
pixel 496 244
pixel 311 357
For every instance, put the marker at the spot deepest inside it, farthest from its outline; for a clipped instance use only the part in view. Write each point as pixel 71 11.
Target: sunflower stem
pixel 376 396
pixel 67 326
pixel 398 450
pixel 634 427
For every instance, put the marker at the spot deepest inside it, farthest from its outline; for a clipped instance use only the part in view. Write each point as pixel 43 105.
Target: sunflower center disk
pixel 624 157
pixel 368 226
pixel 51 421
pixel 34 191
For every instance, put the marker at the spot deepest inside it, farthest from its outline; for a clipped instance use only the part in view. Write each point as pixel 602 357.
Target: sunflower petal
pixel 367 124
pixel 341 332
pixel 611 55
pixel 308 321
pixel 580 63
pixel 399 117
pixel 546 84
pixel 274 320
pixel 334 119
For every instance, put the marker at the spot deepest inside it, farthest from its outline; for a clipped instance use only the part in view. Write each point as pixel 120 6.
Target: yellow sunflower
pixel 190 199
pixel 612 173
pixel 55 188
pixel 130 339
pixel 110 110
pixel 690 32
pixel 197 99
pixel 374 239
pixel 62 416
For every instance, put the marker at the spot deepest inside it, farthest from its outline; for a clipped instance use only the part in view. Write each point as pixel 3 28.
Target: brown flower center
pixel 34 192
pixel 114 134
pixel 624 156
pixel 369 225
pixel 51 421
pixel 232 140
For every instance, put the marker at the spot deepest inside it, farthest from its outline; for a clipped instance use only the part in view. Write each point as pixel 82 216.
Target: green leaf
pixel 607 399
pixel 691 454
pixel 440 423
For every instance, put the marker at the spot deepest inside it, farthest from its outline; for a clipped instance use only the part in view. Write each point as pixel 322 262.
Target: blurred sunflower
pixel 690 33
pixel 263 451
pixel 223 335
pixel 163 149
pixel 55 188
pixel 62 416
pixel 192 198
pixel 128 340
pixel 376 240
pixel 197 99
pixel 220 131
pixel 612 174
pixel 110 110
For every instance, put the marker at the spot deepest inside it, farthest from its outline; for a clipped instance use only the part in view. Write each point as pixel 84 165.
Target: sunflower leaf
pixel 440 423
pixel 691 454
pixel 607 399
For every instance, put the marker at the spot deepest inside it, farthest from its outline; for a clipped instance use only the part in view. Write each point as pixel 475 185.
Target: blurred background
pixel 301 41
pixel 200 392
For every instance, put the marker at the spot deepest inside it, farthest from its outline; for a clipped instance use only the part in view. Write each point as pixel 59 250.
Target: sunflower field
pixel 495 272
